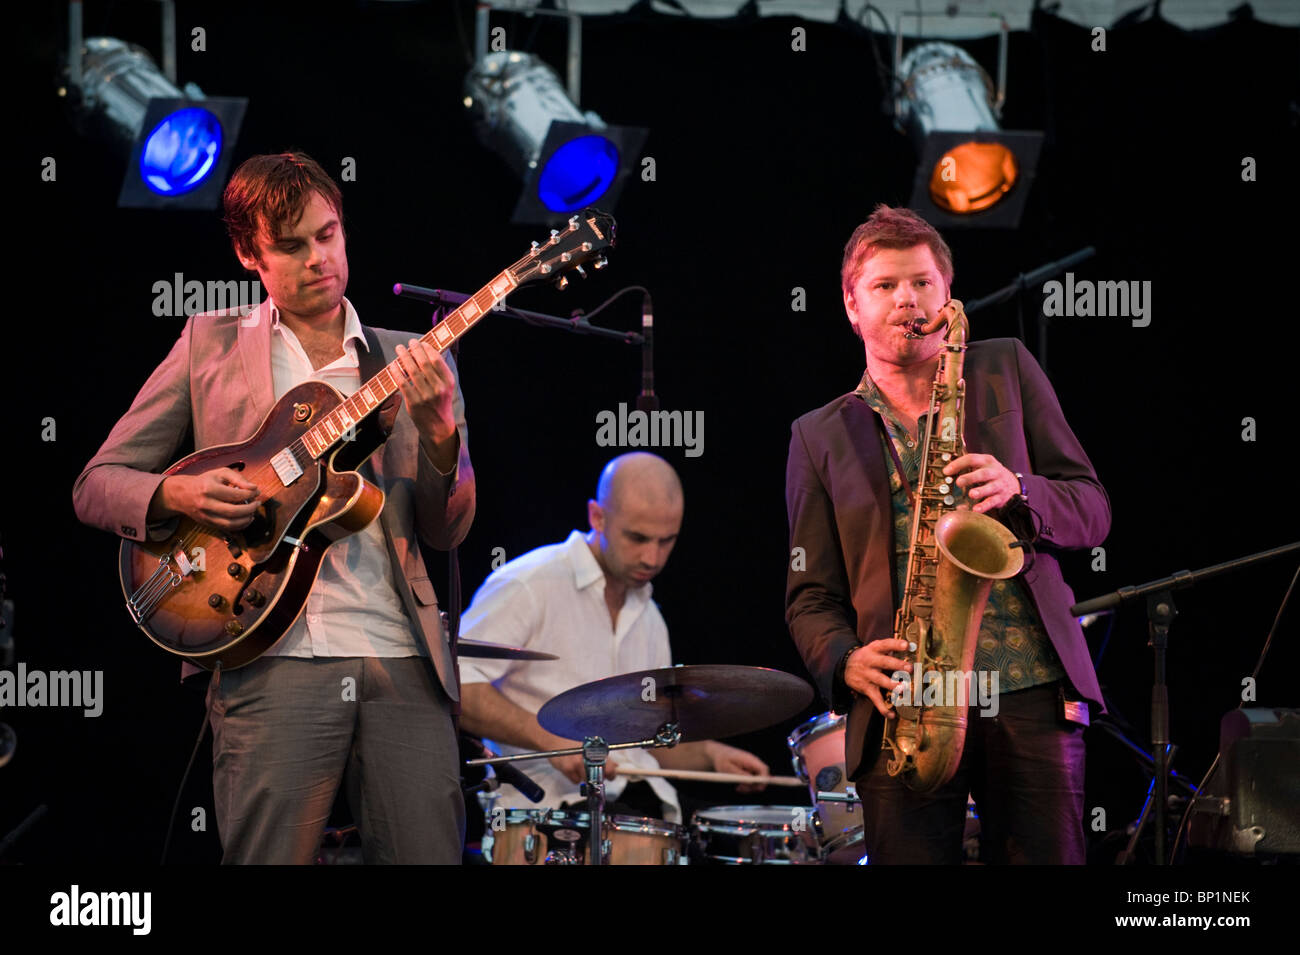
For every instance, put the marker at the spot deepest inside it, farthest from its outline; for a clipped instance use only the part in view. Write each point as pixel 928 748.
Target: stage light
pixel 567 159
pixel 179 143
pixel 971 171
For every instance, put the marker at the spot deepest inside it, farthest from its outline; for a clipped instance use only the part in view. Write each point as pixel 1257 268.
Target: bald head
pixel 640 479
pixel 635 518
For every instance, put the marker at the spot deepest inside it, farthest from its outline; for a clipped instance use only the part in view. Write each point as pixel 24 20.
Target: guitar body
pixel 209 595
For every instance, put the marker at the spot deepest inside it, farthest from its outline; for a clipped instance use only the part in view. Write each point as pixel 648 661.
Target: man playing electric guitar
pixel 361 686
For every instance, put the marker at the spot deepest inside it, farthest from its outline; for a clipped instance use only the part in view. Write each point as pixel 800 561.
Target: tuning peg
pixel 573 222
pixel 579 269
pixel 586 247
pixel 533 249
pixel 555 236
pixel 600 263
pixel 562 282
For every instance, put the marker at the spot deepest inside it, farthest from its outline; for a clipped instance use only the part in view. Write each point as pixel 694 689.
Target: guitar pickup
pixel 286 467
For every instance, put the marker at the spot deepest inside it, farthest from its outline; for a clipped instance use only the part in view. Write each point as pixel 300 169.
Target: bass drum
pixel 755 835
pixel 561 837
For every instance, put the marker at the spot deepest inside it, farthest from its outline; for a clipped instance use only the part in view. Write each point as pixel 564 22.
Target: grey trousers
pixel 287 731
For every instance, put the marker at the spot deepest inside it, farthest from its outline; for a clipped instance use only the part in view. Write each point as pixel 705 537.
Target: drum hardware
pixel 594 751
pixel 849 796
pixel 650 709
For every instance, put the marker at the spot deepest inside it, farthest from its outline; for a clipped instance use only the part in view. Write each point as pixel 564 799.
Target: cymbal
pixel 706 702
pixel 497 651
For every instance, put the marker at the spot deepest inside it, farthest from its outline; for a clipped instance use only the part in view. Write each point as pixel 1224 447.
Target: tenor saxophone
pixel 954 556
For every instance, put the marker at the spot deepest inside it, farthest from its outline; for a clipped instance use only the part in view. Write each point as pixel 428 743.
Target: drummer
pixel 587 600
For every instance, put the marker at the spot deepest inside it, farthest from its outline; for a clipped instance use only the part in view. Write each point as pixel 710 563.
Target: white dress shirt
pixel 353 610
pixel 553 599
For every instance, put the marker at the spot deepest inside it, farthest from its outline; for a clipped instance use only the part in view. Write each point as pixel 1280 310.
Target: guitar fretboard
pixel 322 436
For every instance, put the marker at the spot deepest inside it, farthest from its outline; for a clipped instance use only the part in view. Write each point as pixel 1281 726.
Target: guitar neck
pixel 585 239
pixel 334 426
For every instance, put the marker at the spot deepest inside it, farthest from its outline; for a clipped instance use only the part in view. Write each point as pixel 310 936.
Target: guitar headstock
pixel 584 240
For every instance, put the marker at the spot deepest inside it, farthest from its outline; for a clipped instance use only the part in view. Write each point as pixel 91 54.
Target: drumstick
pixel 710 776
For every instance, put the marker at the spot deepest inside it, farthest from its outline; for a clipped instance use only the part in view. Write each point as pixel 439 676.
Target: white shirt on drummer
pixel 353 609
pixel 553 599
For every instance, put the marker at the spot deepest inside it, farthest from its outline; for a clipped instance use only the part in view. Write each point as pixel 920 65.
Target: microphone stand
pixel 1160 615
pixel 578 324
pixel 1023 281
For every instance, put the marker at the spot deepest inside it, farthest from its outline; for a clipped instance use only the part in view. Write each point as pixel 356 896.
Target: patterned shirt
pixel 1012 640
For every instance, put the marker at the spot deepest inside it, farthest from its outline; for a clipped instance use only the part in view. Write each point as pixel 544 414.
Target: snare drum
pixel 755 835
pixel 561 837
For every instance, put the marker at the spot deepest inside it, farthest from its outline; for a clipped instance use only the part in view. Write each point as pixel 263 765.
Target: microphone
pixel 507 773
pixel 430 296
pixel 647 400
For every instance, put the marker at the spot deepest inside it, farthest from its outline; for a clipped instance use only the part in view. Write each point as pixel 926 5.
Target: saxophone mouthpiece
pixel 918 329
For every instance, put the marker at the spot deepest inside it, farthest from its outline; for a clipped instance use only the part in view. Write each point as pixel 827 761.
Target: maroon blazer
pixel 838 502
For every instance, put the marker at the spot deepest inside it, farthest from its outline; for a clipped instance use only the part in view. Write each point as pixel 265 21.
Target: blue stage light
pixel 181 151
pixel 578 173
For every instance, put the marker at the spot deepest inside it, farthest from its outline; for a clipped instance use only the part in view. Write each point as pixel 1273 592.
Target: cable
pixel 213 686
pixel 610 301
pixel 1268 641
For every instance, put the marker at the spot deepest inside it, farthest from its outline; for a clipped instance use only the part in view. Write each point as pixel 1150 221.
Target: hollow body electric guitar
pixel 211 595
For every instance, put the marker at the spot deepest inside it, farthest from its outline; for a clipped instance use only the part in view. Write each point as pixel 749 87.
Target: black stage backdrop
pixel 765 159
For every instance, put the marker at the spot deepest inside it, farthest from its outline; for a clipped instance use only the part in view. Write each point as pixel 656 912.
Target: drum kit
pixel 660 708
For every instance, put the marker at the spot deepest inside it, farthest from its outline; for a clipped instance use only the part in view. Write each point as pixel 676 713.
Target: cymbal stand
pixel 594 751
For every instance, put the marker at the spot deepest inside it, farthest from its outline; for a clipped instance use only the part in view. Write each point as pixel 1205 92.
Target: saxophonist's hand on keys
pixel 987 481
pixel 869 667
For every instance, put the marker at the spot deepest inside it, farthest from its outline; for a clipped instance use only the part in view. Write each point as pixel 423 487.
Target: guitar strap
pixel 370 363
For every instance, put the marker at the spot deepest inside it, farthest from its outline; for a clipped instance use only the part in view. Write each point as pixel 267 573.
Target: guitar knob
pixel 215 601
pixel 255 598
pixel 234 570
pixel 234 628
pixel 235 549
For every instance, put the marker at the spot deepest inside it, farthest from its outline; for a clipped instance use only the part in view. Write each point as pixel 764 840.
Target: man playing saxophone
pixel 854 471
